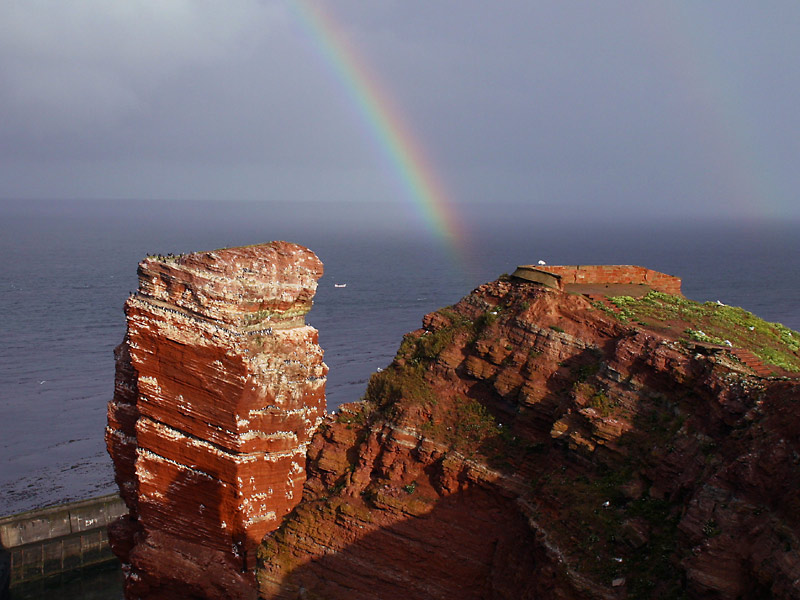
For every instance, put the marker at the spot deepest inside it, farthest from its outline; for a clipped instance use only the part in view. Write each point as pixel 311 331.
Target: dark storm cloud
pixel 645 106
pixel 152 80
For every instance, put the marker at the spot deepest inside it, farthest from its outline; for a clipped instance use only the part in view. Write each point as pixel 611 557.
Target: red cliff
pixel 529 443
pixel 219 387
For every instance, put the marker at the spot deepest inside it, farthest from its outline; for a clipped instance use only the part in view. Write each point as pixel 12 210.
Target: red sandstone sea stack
pixel 219 387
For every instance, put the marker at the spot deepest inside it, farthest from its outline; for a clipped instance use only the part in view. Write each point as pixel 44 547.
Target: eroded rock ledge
pixel 524 443
pixel 219 387
pixel 529 443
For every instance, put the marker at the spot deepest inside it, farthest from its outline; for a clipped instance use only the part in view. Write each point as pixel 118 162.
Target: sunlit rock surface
pixel 219 387
pixel 531 443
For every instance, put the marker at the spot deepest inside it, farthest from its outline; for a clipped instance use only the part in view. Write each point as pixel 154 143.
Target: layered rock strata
pixel 219 387
pixel 526 443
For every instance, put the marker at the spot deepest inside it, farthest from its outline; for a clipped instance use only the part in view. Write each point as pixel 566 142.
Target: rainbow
pixel 385 125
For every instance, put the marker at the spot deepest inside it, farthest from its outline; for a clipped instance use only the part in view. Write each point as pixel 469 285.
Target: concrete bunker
pixel 607 280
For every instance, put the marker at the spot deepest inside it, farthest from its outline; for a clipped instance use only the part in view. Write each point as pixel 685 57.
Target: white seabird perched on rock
pixel 541 262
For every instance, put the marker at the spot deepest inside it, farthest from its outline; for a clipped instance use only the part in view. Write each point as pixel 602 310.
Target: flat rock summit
pixel 535 440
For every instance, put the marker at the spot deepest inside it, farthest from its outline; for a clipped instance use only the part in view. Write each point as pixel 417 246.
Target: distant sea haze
pixel 67 269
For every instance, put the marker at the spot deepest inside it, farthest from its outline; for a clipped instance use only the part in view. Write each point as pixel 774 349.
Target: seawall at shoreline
pixel 58 539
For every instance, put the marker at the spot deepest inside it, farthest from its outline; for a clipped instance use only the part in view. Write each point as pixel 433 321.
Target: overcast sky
pixel 666 106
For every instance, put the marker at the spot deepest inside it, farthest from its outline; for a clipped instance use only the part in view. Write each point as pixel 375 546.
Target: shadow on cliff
pixel 185 545
pixel 534 421
pixel 5 572
pixel 693 472
pixel 472 545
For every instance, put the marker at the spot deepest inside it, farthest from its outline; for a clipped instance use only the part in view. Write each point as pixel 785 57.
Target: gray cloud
pixel 637 106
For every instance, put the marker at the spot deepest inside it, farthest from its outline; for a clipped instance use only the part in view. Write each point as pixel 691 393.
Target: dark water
pixel 102 582
pixel 67 269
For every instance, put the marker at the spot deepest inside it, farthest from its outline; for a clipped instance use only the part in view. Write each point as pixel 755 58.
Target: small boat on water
pixel 339 285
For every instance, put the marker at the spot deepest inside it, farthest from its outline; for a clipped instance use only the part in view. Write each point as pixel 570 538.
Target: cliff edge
pixel 533 443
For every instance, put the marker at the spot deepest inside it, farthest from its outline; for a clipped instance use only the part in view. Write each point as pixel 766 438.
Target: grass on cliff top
pixel 427 347
pixel 462 424
pixel 713 323
pixel 402 391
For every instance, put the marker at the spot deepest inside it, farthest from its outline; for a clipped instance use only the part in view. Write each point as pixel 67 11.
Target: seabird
pixel 541 262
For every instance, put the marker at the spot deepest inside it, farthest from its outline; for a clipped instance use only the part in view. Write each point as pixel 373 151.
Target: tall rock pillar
pixel 219 386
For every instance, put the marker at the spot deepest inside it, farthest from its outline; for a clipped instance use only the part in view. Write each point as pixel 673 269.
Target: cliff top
pixel 713 325
pixel 250 287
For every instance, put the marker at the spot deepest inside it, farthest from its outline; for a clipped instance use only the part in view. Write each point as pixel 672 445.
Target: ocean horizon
pixel 69 266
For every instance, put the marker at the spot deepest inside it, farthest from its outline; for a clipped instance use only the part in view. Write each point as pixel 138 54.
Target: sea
pixel 67 267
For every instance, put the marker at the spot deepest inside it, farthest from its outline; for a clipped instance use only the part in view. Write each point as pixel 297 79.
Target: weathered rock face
pixel 527 444
pixel 219 386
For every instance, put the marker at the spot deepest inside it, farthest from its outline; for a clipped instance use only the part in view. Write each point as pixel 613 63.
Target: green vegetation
pixel 710 322
pixel 428 346
pixel 167 258
pixel 386 389
pixel 425 348
pixel 610 543
pixel 357 417
pixel 485 320
pixel 465 427
pixel 654 563
pixel 702 336
pixel 267 314
pixel 602 403
pixel 711 529
pixel 583 372
pixel 472 425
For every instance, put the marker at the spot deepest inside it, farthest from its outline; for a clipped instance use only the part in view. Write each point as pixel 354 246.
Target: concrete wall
pixel 613 274
pixel 58 538
pixel 5 573
pixel 536 275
